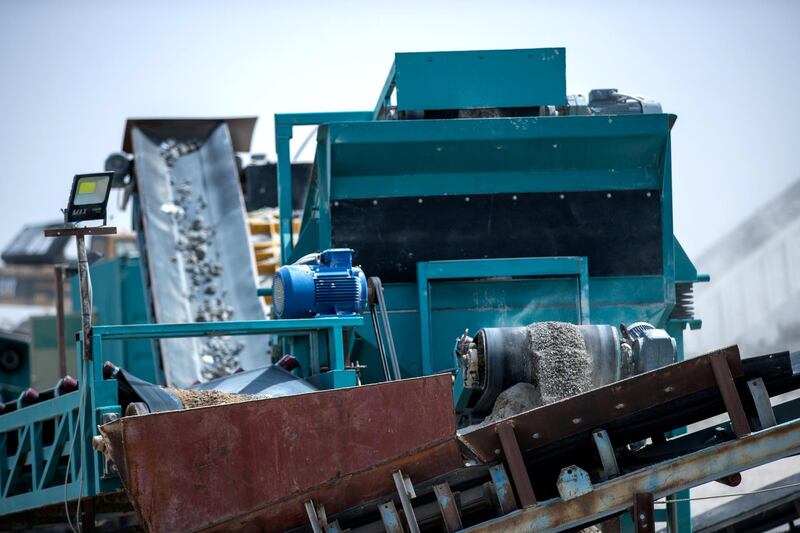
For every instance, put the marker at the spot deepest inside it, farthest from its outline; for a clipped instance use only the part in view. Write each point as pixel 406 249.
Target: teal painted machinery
pixel 119 298
pixel 483 196
pixel 479 193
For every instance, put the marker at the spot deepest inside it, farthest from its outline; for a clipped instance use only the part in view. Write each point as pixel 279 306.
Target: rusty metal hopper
pixel 252 465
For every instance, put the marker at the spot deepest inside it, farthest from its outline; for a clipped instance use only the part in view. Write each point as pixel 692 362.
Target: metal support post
pixel 766 416
pixel 644 513
pixel 406 491
pixel 516 465
pixel 88 516
pixel 448 507
pixel 62 350
pixel 606 452
pixel 84 282
pixel 390 518
pixel 503 489
pixel 283 136
pixel 733 404
pixel 313 518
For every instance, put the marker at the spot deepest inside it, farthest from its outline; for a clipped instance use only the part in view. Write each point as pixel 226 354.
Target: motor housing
pixel 318 285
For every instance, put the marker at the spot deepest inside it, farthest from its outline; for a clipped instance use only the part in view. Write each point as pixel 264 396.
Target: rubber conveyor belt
pixel 197 249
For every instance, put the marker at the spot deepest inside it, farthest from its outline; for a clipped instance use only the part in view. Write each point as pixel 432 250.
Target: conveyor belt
pixel 560 434
pixel 196 243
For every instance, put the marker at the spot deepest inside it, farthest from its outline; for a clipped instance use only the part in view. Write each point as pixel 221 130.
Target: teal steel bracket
pixel 332 327
pixel 493 268
pixel 284 129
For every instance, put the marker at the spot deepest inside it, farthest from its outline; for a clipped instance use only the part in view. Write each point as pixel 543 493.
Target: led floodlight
pixel 89 197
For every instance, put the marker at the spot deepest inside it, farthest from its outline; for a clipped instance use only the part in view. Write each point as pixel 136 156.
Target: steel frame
pixel 33 475
pixel 494 268
pixel 606 161
pixel 618 495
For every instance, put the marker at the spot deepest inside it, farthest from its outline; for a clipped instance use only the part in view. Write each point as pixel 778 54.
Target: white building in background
pixel 753 299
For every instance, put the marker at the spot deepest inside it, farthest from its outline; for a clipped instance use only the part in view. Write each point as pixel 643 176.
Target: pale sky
pixel 72 72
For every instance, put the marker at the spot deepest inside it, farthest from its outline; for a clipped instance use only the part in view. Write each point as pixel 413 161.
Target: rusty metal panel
pixel 251 466
pixel 727 388
pixel 596 408
pixel 516 465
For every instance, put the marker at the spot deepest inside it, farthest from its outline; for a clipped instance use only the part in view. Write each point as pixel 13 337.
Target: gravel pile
pixel 515 399
pixel 563 368
pixel 205 398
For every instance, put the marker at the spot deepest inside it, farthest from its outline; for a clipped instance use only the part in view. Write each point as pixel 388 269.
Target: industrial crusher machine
pixel 475 199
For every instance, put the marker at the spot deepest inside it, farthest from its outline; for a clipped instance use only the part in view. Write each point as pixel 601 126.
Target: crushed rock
pixel 206 398
pixel 563 368
pixel 515 399
pixel 563 365
pixel 199 257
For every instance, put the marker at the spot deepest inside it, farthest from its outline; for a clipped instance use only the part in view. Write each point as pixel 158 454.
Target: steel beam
pixel 760 394
pixel 390 518
pixel 516 465
pixel 241 327
pixel 643 513
pixel 448 507
pixel 669 477
pixel 406 491
pixel 727 387
pixel 606 452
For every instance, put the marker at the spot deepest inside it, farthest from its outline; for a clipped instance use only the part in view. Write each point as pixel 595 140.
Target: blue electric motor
pixel 319 284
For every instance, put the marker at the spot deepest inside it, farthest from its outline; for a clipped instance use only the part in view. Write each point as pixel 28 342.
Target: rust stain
pixel 544 425
pixel 252 465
